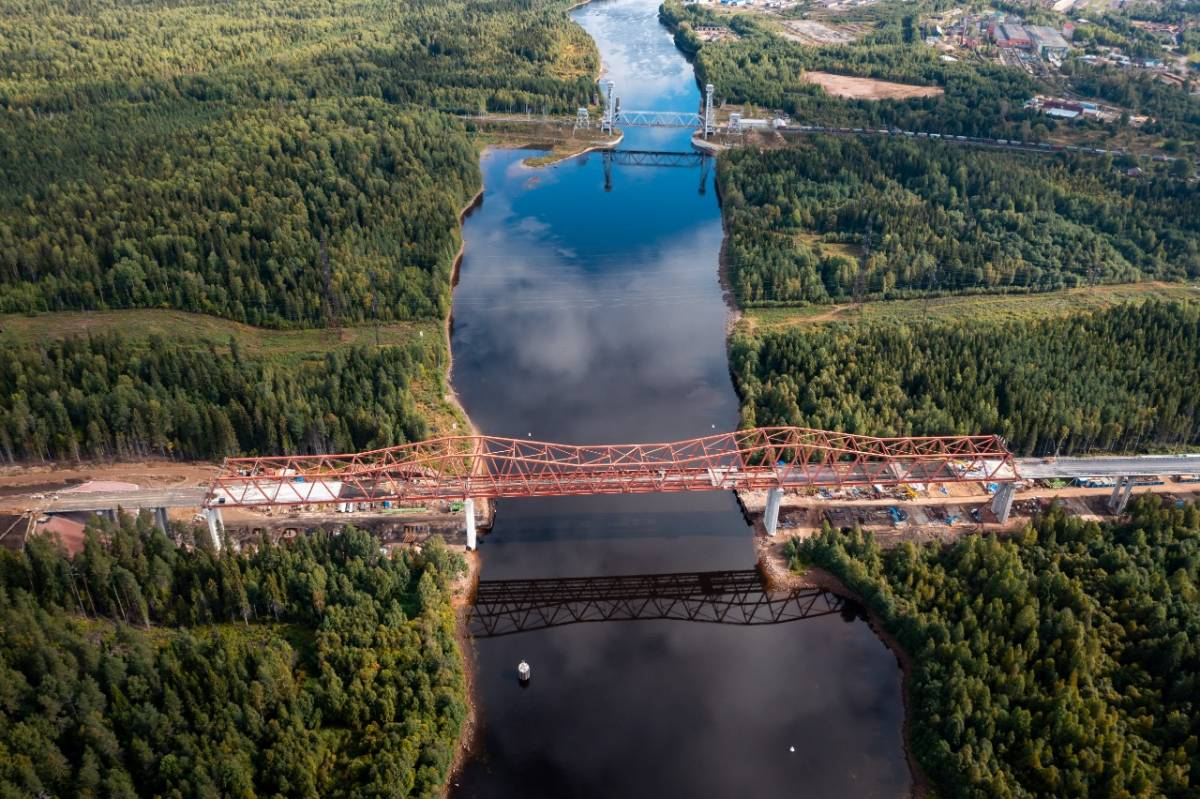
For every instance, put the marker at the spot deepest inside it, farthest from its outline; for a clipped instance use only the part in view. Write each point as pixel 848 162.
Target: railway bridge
pixel 467 468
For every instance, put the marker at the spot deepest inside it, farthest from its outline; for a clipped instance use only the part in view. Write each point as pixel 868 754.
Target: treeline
pixel 104 396
pixel 835 218
pixel 767 70
pixel 1114 380
pixel 1065 662
pixel 287 165
pixel 319 667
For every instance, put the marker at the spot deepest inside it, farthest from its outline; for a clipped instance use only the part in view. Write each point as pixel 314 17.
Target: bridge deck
pixel 618 479
pixel 1114 466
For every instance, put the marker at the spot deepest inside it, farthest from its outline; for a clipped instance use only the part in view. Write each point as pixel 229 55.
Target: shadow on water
pixel 507 607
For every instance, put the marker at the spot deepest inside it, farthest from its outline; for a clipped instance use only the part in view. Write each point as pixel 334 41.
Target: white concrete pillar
pixel 1115 496
pixel 771 517
pixel 1003 500
pixel 216 526
pixel 469 516
pixel 1121 494
pixel 160 518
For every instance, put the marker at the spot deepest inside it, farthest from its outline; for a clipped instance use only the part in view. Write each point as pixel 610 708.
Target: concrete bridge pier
pixel 160 519
pixel 469 517
pixel 1120 495
pixel 1002 502
pixel 771 517
pixel 216 526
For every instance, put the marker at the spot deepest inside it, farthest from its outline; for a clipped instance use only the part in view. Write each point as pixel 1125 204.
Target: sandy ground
pixel 933 516
pixel 816 34
pixel 868 88
pixel 16 480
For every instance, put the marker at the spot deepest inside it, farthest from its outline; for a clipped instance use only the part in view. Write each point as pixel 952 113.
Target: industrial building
pixel 1011 34
pixel 1047 42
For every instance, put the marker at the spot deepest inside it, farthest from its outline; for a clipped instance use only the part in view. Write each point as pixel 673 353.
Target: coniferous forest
pixel 1122 379
pixel 313 668
pixel 106 396
pixel 833 219
pixel 1062 662
pixel 281 164
pixel 286 165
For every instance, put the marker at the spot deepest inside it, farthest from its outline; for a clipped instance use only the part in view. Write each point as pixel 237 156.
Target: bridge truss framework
pixel 491 467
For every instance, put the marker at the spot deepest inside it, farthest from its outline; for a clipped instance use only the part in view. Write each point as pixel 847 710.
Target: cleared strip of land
pixel 868 88
pixel 989 307
pixel 298 348
pixel 140 324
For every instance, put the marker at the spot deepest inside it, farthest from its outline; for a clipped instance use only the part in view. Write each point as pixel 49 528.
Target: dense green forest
pixel 282 164
pixel 1114 380
pixel 288 165
pixel 835 218
pixel 318 667
pixel 107 396
pixel 980 99
pixel 1064 662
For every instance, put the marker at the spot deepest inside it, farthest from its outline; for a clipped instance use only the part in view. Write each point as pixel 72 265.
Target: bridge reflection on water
pixel 505 607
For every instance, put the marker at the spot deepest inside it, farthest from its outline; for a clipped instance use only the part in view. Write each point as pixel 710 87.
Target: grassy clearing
pixel 991 308
pixel 141 324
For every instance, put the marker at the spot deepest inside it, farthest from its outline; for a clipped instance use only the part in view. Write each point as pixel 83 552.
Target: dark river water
pixel 589 315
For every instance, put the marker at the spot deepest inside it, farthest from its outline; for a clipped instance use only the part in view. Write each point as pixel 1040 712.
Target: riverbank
pixel 778 577
pixel 462 598
pixel 451 396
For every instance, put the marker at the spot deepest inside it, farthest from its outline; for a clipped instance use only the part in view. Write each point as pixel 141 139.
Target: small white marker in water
pixel 791 749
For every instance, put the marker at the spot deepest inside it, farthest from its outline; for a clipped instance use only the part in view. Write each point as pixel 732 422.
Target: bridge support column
pixel 710 122
pixel 1122 491
pixel 1003 500
pixel 469 517
pixel 160 519
pixel 771 517
pixel 216 526
pixel 609 120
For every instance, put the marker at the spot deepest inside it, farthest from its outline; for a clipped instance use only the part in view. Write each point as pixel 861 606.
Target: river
pixel 588 315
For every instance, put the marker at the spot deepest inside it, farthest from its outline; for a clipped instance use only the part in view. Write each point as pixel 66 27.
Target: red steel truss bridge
pixel 478 467
pixel 506 607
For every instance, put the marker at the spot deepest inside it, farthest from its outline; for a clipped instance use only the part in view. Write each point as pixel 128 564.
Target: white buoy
pixel 523 671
